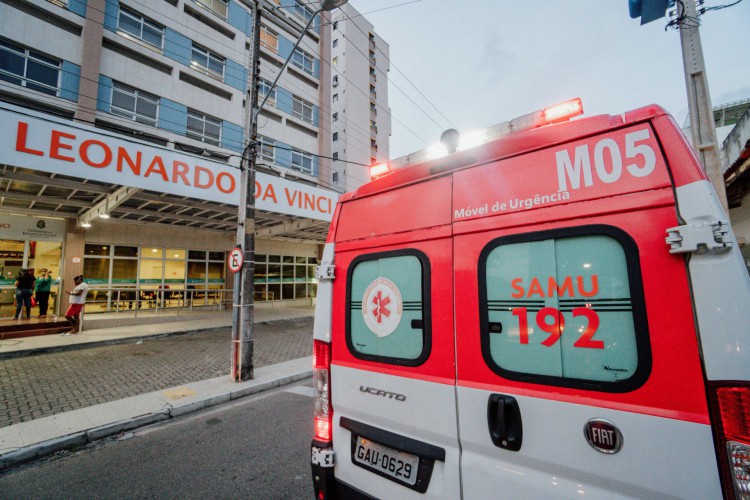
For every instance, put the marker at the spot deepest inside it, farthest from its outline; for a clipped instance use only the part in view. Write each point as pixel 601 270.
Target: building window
pixel 29 69
pixel 335 61
pixel 269 39
pixel 373 108
pixel 302 161
pixel 372 90
pixel 373 143
pixel 282 277
pixel 140 27
pixel 372 71
pixel 335 80
pixel 335 156
pixel 302 11
pixel 263 88
pixel 218 7
pixel 150 277
pixel 335 98
pixel 203 128
pixel 134 104
pixel 335 136
pixel 373 126
pixel 207 62
pixel 335 177
pixel 335 43
pixel 303 61
pixel 267 150
pixel 335 117
pixel 372 57
pixel 335 25
pixel 302 109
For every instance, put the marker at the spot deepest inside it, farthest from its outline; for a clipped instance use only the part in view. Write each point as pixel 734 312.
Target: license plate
pixel 396 464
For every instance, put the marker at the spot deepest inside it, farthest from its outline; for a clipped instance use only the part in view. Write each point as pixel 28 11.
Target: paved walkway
pixel 97 383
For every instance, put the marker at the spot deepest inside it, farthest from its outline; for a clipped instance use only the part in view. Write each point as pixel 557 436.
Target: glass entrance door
pixel 11 261
pixel 32 255
pixel 47 255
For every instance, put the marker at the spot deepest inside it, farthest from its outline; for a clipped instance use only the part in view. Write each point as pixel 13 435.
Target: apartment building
pixel 124 123
pixel 360 116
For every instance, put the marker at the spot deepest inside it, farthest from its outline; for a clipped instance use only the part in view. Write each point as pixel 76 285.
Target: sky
pixel 482 62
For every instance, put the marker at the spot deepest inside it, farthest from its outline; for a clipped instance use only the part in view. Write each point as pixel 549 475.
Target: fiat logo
pixel 603 435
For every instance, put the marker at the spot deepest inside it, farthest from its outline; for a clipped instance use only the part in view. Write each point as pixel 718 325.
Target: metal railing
pixel 132 299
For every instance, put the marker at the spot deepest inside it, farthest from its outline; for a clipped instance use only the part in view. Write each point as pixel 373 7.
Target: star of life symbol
pixel 382 307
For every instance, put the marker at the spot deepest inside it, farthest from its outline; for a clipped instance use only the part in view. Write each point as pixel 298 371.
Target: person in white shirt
pixel 77 301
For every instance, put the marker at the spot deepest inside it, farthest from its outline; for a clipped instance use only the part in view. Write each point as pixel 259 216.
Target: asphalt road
pixel 253 448
pixel 46 384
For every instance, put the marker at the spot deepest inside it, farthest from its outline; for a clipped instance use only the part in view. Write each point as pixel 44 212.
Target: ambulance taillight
pixel 322 391
pixel 731 409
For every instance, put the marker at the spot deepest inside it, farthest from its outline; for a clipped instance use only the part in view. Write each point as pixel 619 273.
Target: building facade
pixel 131 118
pixel 360 116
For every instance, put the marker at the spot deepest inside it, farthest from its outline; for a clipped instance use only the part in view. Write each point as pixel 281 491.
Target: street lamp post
pixel 243 302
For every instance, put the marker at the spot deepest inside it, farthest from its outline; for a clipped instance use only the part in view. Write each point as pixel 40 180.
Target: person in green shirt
pixel 42 290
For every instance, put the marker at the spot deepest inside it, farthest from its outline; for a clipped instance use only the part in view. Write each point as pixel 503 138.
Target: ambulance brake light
pixel 563 111
pixel 731 408
pixel 323 415
pixel 379 170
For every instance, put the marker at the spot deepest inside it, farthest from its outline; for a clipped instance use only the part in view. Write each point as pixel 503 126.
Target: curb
pixel 80 439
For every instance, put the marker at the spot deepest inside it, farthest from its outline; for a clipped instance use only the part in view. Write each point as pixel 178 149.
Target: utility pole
pixel 702 125
pixel 243 303
pixel 244 296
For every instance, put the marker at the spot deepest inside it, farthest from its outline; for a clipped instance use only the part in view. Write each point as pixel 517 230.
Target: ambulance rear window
pixel 388 308
pixel 565 308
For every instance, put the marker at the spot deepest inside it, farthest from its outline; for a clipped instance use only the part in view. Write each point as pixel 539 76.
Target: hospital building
pixel 122 128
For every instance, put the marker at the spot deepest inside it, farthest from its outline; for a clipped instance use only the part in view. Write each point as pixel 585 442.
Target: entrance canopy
pixel 56 167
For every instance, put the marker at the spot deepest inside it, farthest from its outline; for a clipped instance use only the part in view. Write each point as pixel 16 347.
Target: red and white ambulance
pixel 562 311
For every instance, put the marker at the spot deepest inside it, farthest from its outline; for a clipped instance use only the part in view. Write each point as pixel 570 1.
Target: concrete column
pixel 72 259
pixel 93 32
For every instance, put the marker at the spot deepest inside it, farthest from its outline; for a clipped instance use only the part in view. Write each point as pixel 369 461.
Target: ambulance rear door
pixel 578 364
pixel 393 357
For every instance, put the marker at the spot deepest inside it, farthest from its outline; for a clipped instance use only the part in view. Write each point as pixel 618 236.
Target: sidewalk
pixel 34 439
pixel 102 331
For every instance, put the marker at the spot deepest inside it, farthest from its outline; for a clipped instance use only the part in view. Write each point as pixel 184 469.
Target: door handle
pixel 504 421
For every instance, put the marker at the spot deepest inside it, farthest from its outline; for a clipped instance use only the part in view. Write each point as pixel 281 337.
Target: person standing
pixel 24 290
pixel 42 291
pixel 77 301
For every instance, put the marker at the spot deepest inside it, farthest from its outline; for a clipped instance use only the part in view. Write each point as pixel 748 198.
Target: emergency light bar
pixel 547 116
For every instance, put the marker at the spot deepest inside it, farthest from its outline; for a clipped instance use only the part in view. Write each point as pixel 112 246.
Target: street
pixel 253 448
pixel 37 386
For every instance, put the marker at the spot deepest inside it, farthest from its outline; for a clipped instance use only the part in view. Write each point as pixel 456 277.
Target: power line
pixel 367 58
pixel 377 10
pixel 402 74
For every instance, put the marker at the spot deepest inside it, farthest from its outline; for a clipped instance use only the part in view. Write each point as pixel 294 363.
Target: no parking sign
pixel 236 259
